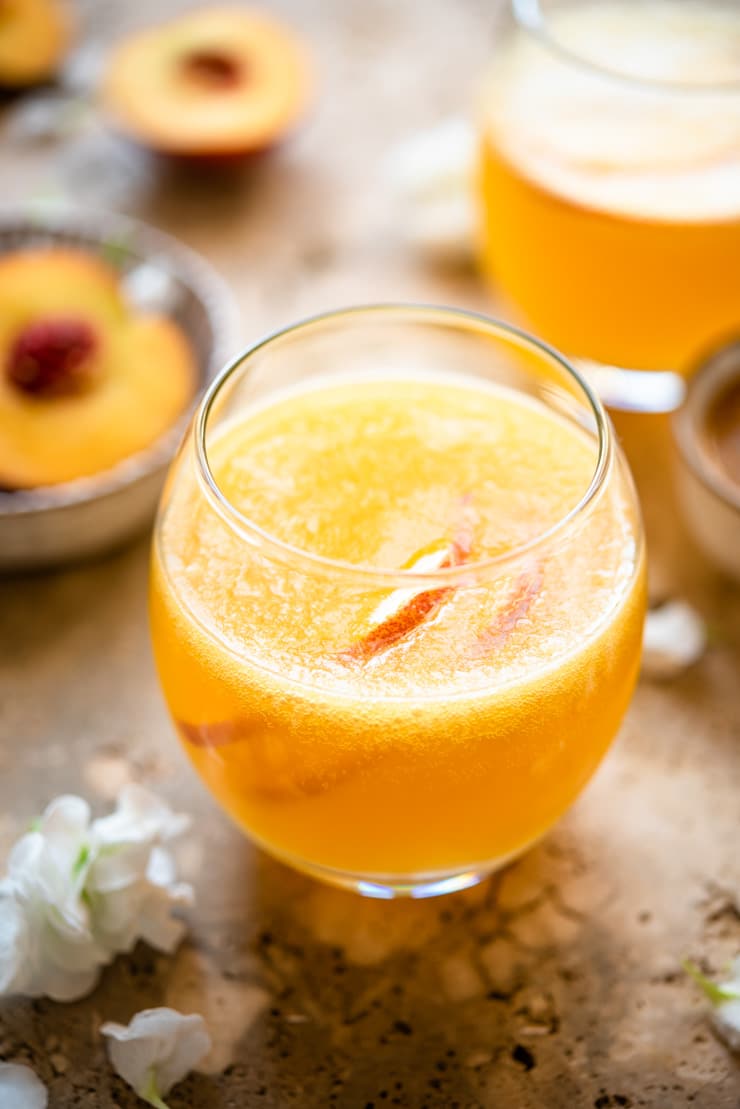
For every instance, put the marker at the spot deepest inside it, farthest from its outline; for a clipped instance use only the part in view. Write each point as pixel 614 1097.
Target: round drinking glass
pixel 397 594
pixel 609 182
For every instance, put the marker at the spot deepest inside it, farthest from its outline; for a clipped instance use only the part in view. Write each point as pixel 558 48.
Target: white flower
pixel 20 1088
pixel 430 175
pixel 131 881
pixel 46 941
pixel 725 999
pixel 674 639
pixel 156 1050
pixel 79 892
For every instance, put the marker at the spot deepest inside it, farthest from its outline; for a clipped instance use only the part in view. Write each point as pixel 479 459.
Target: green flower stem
pixel 81 861
pixel 716 994
pixel 150 1091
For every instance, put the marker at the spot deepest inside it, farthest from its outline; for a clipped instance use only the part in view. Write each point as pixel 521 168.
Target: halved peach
pixel 84 383
pixel 216 83
pixel 58 280
pixel 34 36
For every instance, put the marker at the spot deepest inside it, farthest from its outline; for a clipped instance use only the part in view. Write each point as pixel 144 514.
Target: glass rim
pixel 256 535
pixel 529 15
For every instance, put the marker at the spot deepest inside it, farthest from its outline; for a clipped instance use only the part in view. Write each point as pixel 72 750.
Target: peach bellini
pixel 397 608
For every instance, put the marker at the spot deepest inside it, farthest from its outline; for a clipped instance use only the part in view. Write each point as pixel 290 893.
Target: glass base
pixel 646 391
pixel 389 887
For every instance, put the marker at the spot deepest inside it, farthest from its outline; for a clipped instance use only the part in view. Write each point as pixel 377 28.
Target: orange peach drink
pixel 357 728
pixel 610 178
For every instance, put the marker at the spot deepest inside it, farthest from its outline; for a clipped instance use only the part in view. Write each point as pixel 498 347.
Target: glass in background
pixel 610 184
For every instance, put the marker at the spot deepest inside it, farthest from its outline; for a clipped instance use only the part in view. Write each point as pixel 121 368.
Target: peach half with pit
pixel 218 83
pixel 34 37
pixel 84 381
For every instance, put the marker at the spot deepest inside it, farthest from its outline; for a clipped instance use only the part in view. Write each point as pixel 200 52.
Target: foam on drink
pixel 376 473
pixel 629 108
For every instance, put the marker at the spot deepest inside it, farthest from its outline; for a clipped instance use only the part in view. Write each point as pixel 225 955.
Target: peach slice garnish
pixel 262 760
pixel 217 734
pixel 404 610
pixel 523 593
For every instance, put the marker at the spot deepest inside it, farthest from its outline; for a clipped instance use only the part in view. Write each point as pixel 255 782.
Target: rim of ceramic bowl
pixel 532 18
pixel 426 314
pixel 98 231
pixel 711 377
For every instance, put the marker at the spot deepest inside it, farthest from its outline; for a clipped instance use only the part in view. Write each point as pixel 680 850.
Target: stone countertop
pixel 556 984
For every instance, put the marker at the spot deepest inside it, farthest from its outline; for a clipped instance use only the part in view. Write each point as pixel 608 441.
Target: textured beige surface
pixel 556 985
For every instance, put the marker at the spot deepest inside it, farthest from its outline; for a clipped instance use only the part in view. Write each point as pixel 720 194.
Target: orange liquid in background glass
pixel 610 212
pixel 461 735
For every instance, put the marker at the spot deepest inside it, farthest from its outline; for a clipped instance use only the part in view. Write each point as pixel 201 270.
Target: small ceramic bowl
pixel 55 524
pixel 708 494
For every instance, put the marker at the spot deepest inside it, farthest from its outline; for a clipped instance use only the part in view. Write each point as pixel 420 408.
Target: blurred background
pixel 557 986
pixel 311 227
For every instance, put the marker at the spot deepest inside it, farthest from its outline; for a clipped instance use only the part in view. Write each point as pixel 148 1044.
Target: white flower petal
pixel 20 1088
pixel 132 1055
pixel 69 917
pixel 78 893
pixel 161 869
pixel 118 917
pixel 726 1020
pixel 141 910
pixel 433 161
pixel 13 942
pixel 725 999
pixel 443 229
pixel 190 1046
pixel 65 821
pixel 430 175
pixel 158 927
pixel 63 985
pixel 162 1041
pixel 140 816
pixel 24 856
pixel 674 639
pixel 73 950
pixel 118 867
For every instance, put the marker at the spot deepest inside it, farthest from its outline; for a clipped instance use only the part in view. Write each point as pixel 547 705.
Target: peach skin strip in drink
pixel 521 598
pixel 404 610
pixel 262 758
